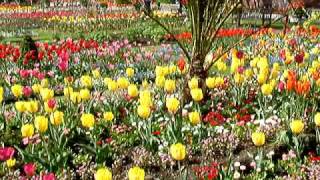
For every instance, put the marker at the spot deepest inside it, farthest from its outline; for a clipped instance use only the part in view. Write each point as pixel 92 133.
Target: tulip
pixel 86 81
pixel 85 94
pixel 211 82
pixel 160 81
pixel 49 176
pixel 36 88
pixel 11 162
pixel 27 91
pixel 16 90
pixel 172 104
pixel 266 89
pixel 6 153
pixel 136 173
pixel 144 111
pixel 87 120
pixel 31 106
pixel 46 94
pixel 75 97
pixel 194 118
pixel 196 94
pixel 29 169
pixel 178 151
pixel 108 116
pixel 130 72
pixel 44 83
pixel 20 106
pixel 1 94
pixel 193 83
pixel 27 130
pixel 170 86
pixel 297 126
pixel 103 174
pixel 41 123
pixel 122 83
pixel 133 90
pixel 317 119
pixel 96 73
pixel 67 91
pixel 57 118
pixel 112 85
pixel 258 138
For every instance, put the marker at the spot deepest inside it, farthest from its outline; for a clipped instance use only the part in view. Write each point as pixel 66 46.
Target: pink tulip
pixel 49 176
pixel 6 153
pixel 29 169
pixel 27 91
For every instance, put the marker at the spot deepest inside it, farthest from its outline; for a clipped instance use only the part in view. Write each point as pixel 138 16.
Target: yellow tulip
pixel 238 78
pixel 75 97
pixel 133 90
pixel 297 126
pixel 211 82
pixel 178 151
pixel 170 86
pixel 266 89
pixel 144 111
pixel 86 81
pixel 31 106
pixel 145 98
pixel 194 118
pixel 20 106
pixel 41 123
pixel 196 94
pixel 103 174
pixel 136 173
pixel 87 120
pixel 145 84
pixel 57 118
pixel 11 162
pixel 67 91
pixel 112 85
pixel 160 80
pixel 172 104
pixel 258 138
pixel 317 119
pixel 108 116
pixel 96 73
pixel 17 90
pixel 46 94
pixel 85 94
pixel 130 72
pixel 27 130
pixel 1 94
pixel 106 81
pixel 193 83
pixel 44 83
pixel 122 83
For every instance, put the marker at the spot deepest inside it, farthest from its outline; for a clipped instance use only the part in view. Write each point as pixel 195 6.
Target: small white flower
pixel 237 164
pixel 236 175
pixel 242 167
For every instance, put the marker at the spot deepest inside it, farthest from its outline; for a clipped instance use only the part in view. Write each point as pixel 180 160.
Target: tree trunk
pixel 239 17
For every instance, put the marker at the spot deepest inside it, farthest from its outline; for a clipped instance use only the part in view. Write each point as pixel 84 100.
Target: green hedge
pixel 123 1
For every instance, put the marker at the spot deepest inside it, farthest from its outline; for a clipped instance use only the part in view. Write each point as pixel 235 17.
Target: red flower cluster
pixel 221 33
pixel 207 172
pixel 214 118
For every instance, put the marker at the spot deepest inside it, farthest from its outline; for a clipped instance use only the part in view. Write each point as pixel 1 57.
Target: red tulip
pixel 51 103
pixel 29 169
pixel 6 153
pixel 49 176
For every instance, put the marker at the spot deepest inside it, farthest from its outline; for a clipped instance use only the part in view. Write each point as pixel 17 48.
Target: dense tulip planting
pixel 84 109
pixel 124 107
